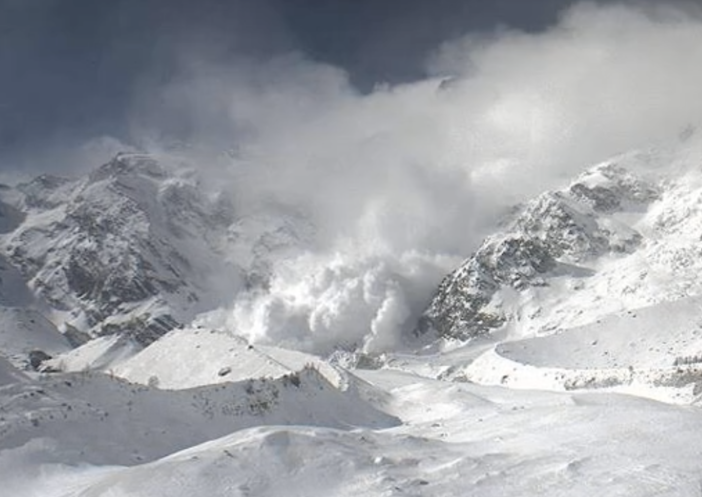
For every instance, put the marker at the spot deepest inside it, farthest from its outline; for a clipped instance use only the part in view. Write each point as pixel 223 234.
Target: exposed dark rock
pixel 134 234
pixel 75 337
pixel 36 358
pixel 563 226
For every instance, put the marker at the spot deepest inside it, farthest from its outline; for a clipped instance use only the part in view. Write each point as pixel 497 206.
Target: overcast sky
pixel 70 69
pixel 399 129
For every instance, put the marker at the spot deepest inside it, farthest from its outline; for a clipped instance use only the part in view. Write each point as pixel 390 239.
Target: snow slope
pixel 98 354
pixel 23 327
pixel 9 374
pixel 98 419
pixel 194 357
pixel 23 330
pixel 623 235
pixel 134 247
pixel 198 356
pixel 563 358
pixel 456 439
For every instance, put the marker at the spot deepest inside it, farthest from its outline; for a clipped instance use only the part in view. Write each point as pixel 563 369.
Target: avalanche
pixel 524 375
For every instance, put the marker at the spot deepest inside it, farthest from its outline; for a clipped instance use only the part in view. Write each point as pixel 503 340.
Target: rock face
pixel 570 226
pixel 133 248
pixel 139 247
pixel 136 248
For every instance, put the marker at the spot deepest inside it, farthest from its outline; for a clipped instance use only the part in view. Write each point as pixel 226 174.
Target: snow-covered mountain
pixel 133 247
pixel 140 247
pixel 136 248
pixel 557 351
pixel 622 228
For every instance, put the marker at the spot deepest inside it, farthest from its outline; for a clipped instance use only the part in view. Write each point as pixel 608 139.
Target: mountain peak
pixel 124 164
pixel 590 219
pixel 132 248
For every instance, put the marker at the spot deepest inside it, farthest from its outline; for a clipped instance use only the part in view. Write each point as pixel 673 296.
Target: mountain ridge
pixel 572 236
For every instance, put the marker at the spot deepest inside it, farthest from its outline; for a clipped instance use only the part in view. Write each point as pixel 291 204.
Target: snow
pixel 455 439
pixel 99 354
pixel 9 374
pixel 99 419
pixel 194 357
pixel 24 330
pixel 593 385
pixel 134 245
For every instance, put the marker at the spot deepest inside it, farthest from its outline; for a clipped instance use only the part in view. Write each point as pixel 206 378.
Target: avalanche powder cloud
pixel 403 182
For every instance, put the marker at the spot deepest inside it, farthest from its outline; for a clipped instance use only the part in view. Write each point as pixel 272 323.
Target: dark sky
pixel 69 68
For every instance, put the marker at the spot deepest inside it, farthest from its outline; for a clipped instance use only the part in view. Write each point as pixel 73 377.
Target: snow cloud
pixel 400 183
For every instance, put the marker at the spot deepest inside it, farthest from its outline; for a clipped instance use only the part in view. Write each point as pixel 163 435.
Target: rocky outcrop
pixel 133 248
pixel 571 226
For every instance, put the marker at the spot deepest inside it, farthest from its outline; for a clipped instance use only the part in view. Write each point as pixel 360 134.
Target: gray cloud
pixel 77 69
pixel 402 181
pixel 72 68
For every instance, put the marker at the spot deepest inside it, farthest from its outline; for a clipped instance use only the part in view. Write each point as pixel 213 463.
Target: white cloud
pixel 403 181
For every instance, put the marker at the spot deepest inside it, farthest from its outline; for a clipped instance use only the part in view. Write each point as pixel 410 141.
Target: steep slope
pixel 138 247
pixel 594 290
pixel 616 230
pixel 134 247
pixel 9 374
pixel 26 336
pixel 193 357
pixel 98 354
pixel 95 418
pixel 25 333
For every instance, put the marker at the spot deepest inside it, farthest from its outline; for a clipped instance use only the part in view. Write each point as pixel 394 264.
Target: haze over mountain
pixel 122 404
pixel 481 278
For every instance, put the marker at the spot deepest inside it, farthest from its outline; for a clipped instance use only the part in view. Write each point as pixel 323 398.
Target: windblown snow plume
pixel 400 184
